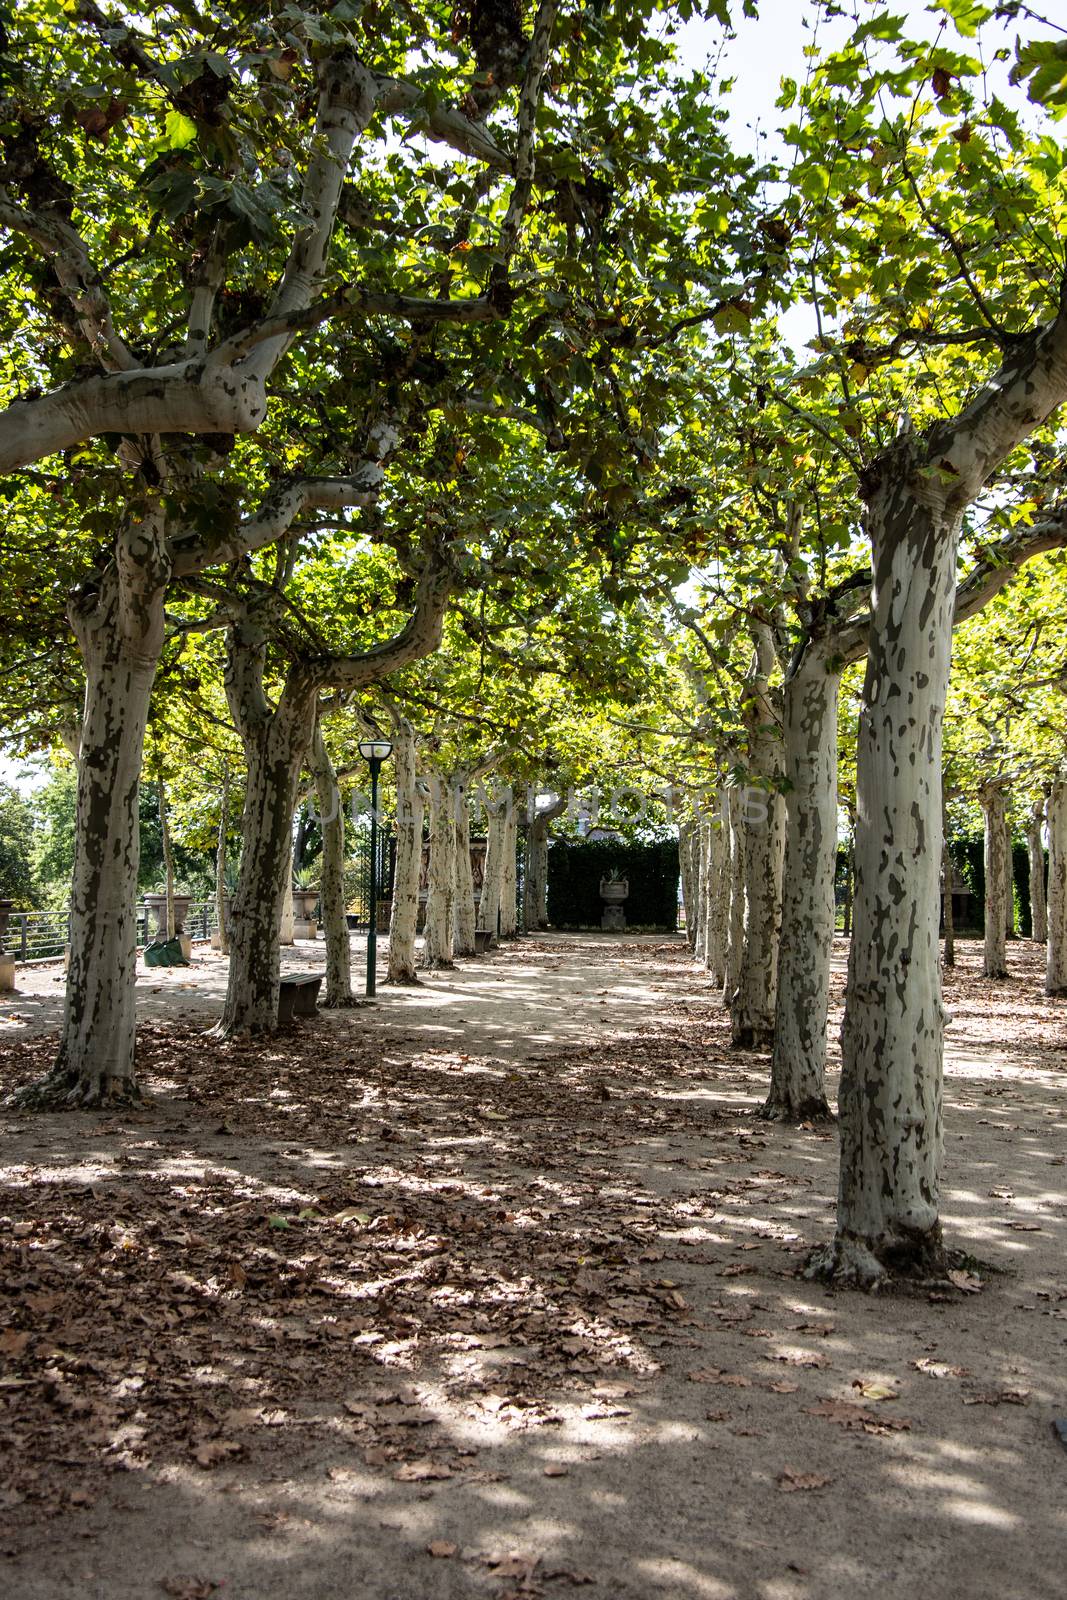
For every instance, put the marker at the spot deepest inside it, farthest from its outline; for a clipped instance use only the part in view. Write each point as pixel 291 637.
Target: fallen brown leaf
pixel 791 1480
pixel 938 1369
pixel 213 1451
pixel 421 1471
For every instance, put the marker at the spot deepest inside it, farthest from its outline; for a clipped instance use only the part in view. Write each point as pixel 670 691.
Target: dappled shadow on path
pixel 317 1320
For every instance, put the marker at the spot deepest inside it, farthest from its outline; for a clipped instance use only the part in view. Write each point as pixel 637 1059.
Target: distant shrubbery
pixel 574 874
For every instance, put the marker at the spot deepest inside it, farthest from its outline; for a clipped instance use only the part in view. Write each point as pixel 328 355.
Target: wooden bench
pixel 298 995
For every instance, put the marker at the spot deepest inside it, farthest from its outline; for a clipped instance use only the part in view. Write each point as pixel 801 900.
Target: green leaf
pixel 181 130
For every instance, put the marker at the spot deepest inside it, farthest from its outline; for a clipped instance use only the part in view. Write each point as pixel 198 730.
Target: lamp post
pixel 374 752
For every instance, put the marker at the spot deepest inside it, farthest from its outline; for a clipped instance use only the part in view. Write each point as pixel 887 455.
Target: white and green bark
pixel 713 906
pixel 1056 963
pixel 404 919
pixel 437 928
pixel 890 1101
pixel 1009 880
pixel 688 846
pixel 993 800
pixel 948 915
pixel 701 887
pixel 275 741
pixel 119 624
pixel 1035 851
pixel 168 857
pixel 890 1098
pixel 221 894
pixel 752 1003
pixel 332 893
pixel 464 910
pixel 734 863
pixel 509 906
pixel 798 1065
pixel 535 885
pixel 496 826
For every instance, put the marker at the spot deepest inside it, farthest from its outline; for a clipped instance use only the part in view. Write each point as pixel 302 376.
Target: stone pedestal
pixel 305 930
pixel 7 972
pixel 613 891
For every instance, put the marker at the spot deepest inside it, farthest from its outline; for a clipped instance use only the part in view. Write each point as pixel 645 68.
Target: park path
pixel 491 1290
pixel 547 998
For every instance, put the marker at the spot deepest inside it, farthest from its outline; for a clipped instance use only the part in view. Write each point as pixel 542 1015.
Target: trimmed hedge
pixel 575 871
pixel 969 856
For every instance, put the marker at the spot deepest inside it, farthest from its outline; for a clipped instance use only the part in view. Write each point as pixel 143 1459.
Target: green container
pixel 165 953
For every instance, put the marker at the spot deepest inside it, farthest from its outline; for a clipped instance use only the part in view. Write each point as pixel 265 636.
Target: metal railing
pixel 45 935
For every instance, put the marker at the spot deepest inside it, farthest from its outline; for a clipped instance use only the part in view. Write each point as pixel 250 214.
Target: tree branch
pixel 419 637
pixel 192 554
pixel 67 251
pixel 443 124
pixel 341 305
pixel 1029 385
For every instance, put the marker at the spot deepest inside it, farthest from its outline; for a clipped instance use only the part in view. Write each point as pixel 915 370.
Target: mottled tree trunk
pixel 437 930
pixel 763 819
pixel 948 913
pixel 119 625
pixel 221 912
pixel 535 888
pixel 275 743
pixel 798 1066
pixel 168 857
pixel 1056 967
pixel 334 920
pixel 702 864
pixel 464 910
pixel 890 1101
pixel 732 804
pixel 850 880
pixel 509 908
pixel 688 844
pixel 713 905
pixel 409 812
pixel 992 799
pixel 1009 881
pixel 492 879
pixel 1035 849
pixel 287 920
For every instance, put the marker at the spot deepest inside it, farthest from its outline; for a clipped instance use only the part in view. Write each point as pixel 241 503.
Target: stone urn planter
pixel 157 904
pixel 614 891
pixel 305 904
pixel 7 960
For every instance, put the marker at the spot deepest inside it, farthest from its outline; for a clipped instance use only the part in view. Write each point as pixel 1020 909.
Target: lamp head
pixel 375 749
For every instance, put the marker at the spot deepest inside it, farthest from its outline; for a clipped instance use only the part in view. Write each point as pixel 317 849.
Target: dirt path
pixel 492 1290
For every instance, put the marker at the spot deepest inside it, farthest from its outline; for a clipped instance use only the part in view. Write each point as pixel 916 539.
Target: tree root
pixel 908 1260
pixel 752 1038
pixel 408 980
pixel 227 1032
pixel 347 1002
pixel 815 1108
pixel 847 1264
pixel 67 1090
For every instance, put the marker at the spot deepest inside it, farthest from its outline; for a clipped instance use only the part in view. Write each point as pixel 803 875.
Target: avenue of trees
pixel 433 372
